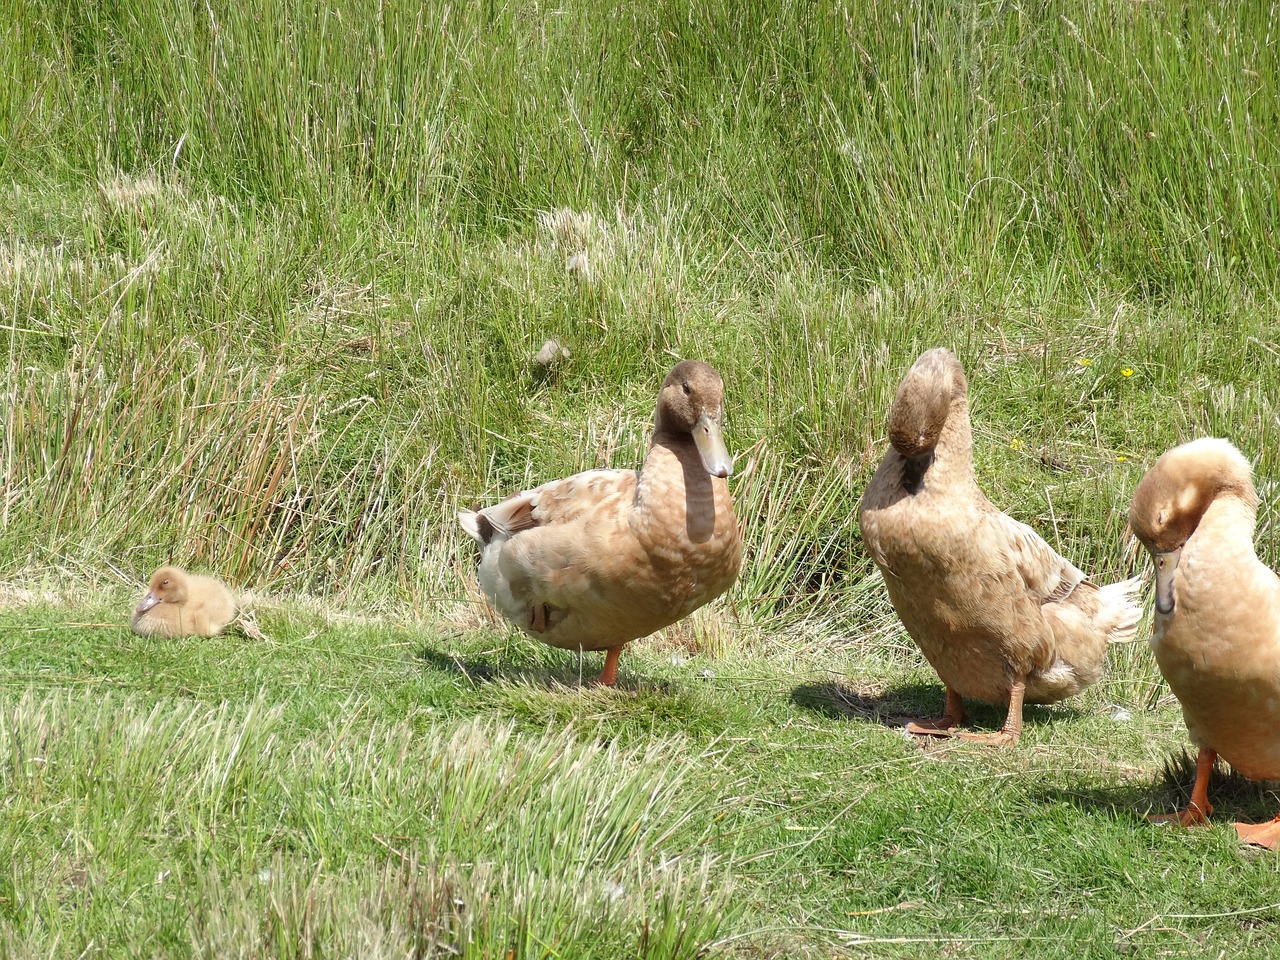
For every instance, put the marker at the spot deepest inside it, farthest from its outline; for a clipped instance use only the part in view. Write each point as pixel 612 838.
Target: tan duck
pixel 603 557
pixel 999 615
pixel 181 604
pixel 1217 620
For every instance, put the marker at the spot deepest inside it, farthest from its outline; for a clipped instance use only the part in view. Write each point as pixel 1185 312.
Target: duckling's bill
pixel 149 601
pixel 709 440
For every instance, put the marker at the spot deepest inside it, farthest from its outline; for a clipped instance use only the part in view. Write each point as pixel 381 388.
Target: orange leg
pixel 609 675
pixel 956 715
pixel 1198 810
pixel 1262 834
pixel 1009 734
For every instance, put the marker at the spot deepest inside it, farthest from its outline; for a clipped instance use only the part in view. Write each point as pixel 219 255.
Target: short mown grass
pixel 273 279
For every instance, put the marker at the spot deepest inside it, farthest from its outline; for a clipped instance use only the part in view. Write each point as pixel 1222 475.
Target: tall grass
pixel 274 277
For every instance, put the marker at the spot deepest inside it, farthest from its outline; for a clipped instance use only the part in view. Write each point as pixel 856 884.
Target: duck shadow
pixel 471 669
pixel 481 671
pixel 890 707
pixel 895 707
pixel 837 701
pixel 1234 797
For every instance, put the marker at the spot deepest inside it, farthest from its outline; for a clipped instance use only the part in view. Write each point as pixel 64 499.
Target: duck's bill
pixel 1166 564
pixel 149 601
pixel 710 443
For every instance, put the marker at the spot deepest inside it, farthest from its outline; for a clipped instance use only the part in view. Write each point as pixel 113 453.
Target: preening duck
pixel 1217 618
pixel 996 611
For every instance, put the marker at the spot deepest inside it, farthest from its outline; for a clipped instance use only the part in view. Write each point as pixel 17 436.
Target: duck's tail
pixel 502 520
pixel 470 521
pixel 1122 603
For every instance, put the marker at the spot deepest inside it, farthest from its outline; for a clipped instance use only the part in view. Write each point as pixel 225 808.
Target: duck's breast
pixel 1220 648
pixel 948 571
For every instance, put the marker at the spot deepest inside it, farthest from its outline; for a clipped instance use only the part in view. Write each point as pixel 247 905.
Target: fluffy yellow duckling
pixel 181 604
pixel 603 557
pixel 1217 621
pixel 999 615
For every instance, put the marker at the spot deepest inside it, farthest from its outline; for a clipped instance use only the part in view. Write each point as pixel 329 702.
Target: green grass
pixel 272 278
pixel 361 788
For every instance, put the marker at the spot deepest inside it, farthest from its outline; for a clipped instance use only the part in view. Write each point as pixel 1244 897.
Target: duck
pixel 181 604
pixel 1216 630
pixel 593 561
pixel 1000 615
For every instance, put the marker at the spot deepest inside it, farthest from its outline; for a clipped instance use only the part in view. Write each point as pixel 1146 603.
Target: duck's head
pixel 167 585
pixel 1174 495
pixel 691 402
pixel 923 401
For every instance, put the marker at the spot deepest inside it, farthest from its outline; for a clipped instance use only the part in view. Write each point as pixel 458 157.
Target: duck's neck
pixel 950 463
pixel 1227 528
pixel 674 452
pixel 675 496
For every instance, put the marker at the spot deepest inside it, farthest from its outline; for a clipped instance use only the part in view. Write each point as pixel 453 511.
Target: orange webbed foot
pixel 1198 809
pixel 942 727
pixel 945 726
pixel 956 716
pixel 1001 738
pixel 1189 816
pixel 1260 834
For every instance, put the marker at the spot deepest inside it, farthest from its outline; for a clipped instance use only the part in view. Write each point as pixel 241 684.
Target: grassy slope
pixel 270 309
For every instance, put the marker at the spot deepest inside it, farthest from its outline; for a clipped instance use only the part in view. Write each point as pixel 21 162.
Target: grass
pixel 375 790
pixel 272 282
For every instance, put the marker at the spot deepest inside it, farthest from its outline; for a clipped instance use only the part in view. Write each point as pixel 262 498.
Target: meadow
pixel 273 278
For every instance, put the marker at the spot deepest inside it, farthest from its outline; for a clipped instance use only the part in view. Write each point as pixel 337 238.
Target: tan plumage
pixel 181 604
pixel 603 557
pixel 1217 621
pixel 999 615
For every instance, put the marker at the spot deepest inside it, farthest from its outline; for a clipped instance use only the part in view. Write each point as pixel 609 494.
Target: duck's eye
pixel 686 388
pixel 165 583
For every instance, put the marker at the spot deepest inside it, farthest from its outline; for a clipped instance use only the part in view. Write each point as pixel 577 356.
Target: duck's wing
pixel 1079 611
pixel 1047 576
pixel 561 562
pixel 566 501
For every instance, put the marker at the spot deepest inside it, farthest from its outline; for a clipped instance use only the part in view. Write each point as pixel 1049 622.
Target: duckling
pixel 181 604
pixel 996 611
pixel 598 559
pixel 1217 616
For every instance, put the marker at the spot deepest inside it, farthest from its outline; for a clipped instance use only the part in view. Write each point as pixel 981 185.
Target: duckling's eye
pixel 165 583
pixel 687 389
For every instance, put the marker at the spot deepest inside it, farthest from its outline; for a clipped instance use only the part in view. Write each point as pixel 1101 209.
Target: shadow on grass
pixel 1234 797
pixel 891 707
pixel 837 701
pixel 1122 801
pixel 568 674
pixel 895 706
